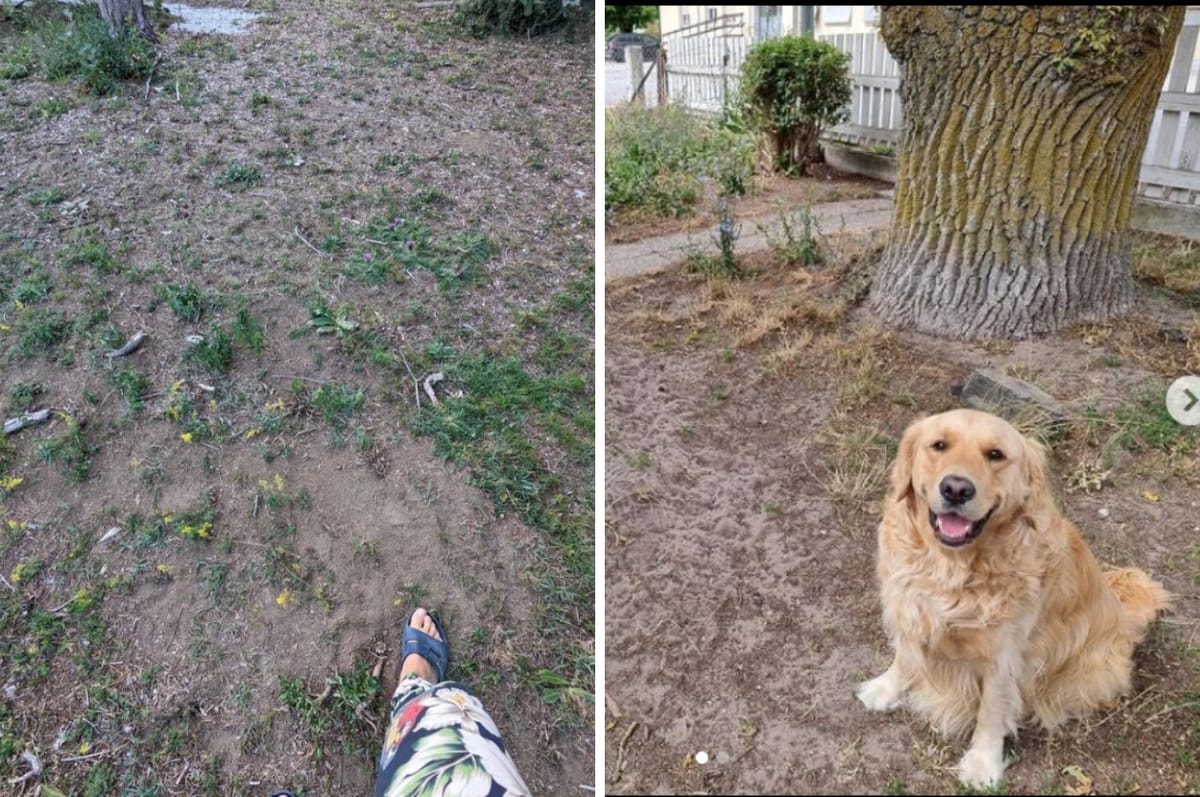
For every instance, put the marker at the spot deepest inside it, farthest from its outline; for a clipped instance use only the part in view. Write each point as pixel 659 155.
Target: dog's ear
pixel 902 468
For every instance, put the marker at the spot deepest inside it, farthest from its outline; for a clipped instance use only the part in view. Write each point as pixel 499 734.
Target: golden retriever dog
pixel 996 609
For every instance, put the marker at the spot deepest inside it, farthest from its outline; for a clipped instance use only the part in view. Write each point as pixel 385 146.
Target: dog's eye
pixel 995 455
pixel 939 445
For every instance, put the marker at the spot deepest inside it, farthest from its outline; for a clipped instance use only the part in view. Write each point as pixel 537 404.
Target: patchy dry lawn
pixel 749 425
pixel 209 536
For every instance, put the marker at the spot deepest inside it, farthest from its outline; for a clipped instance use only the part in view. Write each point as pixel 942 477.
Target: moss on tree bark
pixel 1024 129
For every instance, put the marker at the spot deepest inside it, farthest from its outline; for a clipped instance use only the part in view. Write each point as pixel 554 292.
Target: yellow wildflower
pixel 186 437
pixel 10 483
pixel 274 406
pixel 286 598
pixel 251 433
pixel 166 570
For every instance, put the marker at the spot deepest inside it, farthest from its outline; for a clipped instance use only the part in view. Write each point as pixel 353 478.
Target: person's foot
pixel 415 663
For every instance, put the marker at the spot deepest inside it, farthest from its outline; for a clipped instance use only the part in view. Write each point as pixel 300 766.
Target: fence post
pixel 633 57
pixel 661 66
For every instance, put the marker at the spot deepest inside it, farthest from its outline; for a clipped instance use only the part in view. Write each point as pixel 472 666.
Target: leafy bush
pixel 793 88
pixel 83 48
pixel 526 17
pixel 659 159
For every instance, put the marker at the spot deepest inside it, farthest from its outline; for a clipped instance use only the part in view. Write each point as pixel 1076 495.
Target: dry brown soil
pixel 349 111
pixel 748 429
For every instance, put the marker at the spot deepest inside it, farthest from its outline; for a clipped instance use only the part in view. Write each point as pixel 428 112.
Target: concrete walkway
pixel 651 255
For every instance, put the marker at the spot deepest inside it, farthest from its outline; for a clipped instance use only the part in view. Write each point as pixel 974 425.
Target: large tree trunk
pixel 1018 163
pixel 118 13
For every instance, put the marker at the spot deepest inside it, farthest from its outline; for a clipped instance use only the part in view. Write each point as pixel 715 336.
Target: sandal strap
pixel 435 651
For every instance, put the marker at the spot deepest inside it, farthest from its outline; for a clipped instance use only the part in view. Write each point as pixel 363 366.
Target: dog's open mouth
pixel 953 529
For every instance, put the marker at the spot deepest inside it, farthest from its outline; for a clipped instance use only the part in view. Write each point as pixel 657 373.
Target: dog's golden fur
pixel 1017 622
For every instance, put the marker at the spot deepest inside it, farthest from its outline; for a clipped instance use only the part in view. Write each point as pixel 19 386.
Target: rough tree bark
pixel 1023 132
pixel 118 13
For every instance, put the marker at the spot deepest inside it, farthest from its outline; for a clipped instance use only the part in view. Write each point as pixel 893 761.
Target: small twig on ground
pixel 150 78
pixel 35 768
pixel 88 757
pixel 307 242
pixel 301 378
pixel 430 381
pixel 416 382
pixel 10 586
pixel 621 749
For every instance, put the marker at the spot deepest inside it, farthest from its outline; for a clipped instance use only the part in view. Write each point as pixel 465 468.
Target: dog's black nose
pixel 957 490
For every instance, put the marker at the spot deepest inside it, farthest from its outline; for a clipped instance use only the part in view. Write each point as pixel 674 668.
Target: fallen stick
pixel 26 419
pixel 430 381
pixel 129 347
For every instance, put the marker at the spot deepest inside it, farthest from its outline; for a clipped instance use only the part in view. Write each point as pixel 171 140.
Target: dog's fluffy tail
pixel 1142 596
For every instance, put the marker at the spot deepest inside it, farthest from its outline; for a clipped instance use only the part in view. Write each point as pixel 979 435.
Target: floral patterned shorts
pixel 441 741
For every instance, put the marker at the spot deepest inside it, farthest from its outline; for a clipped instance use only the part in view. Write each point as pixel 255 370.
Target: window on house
pixel 871 15
pixel 836 15
pixel 685 20
pixel 712 12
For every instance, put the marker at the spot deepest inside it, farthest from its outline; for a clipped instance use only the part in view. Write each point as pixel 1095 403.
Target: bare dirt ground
pixel 749 426
pixel 204 539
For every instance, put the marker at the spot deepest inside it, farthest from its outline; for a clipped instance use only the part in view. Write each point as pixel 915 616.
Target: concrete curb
pixel 652 255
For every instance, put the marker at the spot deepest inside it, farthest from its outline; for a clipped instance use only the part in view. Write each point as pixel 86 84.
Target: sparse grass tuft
pixel 42 332
pixel 71 451
pixel 214 353
pixel 1170 262
pixel 238 176
pixel 131 384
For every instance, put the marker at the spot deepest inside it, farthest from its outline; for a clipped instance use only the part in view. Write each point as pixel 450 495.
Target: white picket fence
pixel 704 59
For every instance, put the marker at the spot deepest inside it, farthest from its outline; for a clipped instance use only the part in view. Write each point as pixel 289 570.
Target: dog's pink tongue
pixel 953 526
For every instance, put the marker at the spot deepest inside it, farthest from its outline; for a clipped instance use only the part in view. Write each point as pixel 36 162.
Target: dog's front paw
pixel 981 769
pixel 880 694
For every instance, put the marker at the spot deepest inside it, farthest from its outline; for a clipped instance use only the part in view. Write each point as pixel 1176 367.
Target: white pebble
pixel 1103 512
pixel 701 757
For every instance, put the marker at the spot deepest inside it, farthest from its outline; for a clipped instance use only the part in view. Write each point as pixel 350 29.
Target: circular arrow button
pixel 1183 400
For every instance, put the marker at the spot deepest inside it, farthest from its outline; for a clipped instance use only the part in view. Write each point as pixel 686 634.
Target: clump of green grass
pixel 47 197
pixel 79 46
pixel 337 404
pixel 95 254
pixel 487 430
pixel 214 353
pixel 248 330
pixel 353 695
pixel 71 451
pixel 35 288
pixel 1146 423
pixel 21 395
pixel 187 302
pixel 131 385
pixel 41 333
pixel 238 175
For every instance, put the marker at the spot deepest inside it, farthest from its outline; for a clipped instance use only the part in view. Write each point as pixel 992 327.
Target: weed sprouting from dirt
pixel 70 450
pixel 239 175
